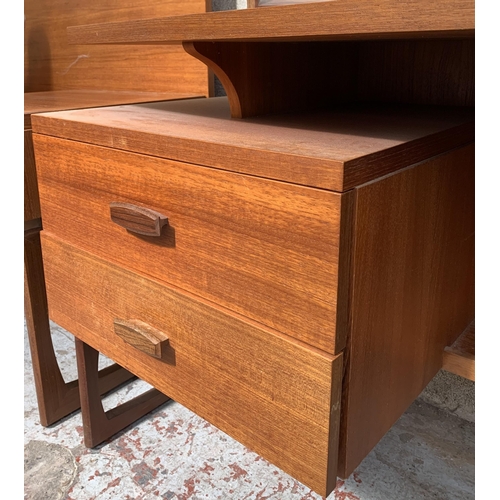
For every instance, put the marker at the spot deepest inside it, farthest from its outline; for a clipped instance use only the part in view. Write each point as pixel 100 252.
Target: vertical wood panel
pixel 413 292
pixel 417 72
pixel 52 64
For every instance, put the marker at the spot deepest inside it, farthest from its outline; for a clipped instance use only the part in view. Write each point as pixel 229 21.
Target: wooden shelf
pixel 338 20
pixel 342 51
pixel 335 150
pixel 460 357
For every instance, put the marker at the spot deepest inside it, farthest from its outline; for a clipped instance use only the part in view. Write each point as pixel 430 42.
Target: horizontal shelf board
pixel 337 20
pixel 335 150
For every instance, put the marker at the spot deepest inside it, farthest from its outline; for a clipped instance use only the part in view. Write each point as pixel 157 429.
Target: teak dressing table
pixel 289 262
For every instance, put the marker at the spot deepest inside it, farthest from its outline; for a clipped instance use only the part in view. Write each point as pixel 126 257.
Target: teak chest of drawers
pixel 301 273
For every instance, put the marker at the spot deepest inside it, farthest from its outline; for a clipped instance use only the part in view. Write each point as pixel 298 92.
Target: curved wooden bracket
pixel 281 77
pixel 265 77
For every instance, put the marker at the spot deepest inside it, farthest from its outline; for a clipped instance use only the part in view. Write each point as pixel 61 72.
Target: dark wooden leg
pixel 56 398
pixel 98 425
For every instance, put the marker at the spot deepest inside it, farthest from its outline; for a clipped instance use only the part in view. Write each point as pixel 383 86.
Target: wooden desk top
pixel 335 149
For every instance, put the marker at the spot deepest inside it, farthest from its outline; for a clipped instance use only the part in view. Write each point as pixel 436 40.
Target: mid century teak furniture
pixel 290 262
pixel 59 77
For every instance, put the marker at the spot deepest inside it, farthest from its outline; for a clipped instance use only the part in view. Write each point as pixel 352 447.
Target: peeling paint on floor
pixel 173 454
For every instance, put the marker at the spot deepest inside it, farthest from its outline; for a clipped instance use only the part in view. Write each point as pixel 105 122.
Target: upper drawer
pixel 266 249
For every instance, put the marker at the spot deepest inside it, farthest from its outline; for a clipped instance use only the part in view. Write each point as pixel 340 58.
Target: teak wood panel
pixel 265 249
pixel 340 19
pixel 259 79
pixel 335 149
pixel 271 394
pixel 438 72
pixel 52 64
pixel 412 292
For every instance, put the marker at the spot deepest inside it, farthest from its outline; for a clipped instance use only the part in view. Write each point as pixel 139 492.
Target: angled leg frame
pixel 98 425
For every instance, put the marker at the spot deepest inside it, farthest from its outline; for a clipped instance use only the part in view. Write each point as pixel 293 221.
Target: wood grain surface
pixel 341 19
pixel 460 357
pixel 271 394
pixel 335 149
pixel 265 249
pixel 61 100
pixel 412 292
pixel 417 71
pixel 56 398
pixel 52 64
pixel 142 336
pixel 259 79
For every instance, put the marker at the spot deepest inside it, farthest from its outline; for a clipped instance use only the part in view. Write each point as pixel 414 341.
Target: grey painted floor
pixel 173 454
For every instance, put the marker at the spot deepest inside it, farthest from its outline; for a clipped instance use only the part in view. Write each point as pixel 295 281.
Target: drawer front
pixel 265 249
pixel 273 394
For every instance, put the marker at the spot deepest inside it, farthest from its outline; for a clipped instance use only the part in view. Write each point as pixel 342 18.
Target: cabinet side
pixel 412 292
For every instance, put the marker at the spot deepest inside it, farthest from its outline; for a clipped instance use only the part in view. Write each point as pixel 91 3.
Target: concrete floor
pixel 173 454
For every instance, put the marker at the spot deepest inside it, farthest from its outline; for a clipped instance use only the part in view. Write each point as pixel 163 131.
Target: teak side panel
pixel 273 395
pixel 438 72
pixel 259 79
pixel 413 292
pixel 265 249
pixel 52 64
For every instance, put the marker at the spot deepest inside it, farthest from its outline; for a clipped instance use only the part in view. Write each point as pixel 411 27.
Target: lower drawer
pixel 268 391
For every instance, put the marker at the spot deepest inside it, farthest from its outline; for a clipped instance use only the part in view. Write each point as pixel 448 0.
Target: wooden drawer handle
pixel 137 219
pixel 142 336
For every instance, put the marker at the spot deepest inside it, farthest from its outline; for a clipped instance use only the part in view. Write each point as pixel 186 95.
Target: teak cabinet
pixel 289 262
pixel 293 279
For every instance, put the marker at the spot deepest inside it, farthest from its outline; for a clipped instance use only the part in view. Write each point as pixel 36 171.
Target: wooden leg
pixel 98 425
pixel 56 398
